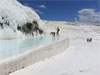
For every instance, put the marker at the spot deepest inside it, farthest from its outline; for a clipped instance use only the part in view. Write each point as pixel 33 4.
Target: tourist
pixel 89 39
pixel 53 33
pixel 58 30
pixel 32 34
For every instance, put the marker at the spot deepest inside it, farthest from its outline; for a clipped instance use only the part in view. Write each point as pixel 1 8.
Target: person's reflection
pixel 58 37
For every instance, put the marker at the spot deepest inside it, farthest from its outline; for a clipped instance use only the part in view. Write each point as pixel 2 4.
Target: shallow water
pixel 9 48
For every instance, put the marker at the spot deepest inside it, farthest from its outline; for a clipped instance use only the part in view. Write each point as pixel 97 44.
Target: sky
pixel 66 10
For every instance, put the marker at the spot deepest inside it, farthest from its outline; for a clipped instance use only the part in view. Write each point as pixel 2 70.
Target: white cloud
pixel 38 11
pixel 42 6
pixel 88 15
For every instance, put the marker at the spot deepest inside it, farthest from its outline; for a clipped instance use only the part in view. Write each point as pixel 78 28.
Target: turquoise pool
pixel 9 48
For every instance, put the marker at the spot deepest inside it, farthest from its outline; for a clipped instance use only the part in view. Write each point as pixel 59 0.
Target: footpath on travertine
pixel 82 58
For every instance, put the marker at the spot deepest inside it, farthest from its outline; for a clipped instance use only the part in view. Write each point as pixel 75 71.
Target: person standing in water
pixel 58 30
pixel 32 34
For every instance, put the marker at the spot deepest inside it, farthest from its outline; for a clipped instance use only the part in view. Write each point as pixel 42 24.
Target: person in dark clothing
pixel 32 34
pixel 58 30
pixel 89 39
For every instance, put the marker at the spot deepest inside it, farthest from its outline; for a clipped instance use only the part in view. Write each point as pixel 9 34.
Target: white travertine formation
pixel 14 14
pixel 33 56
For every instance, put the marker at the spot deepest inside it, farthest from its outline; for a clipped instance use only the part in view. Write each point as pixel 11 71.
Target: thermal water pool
pixel 9 48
